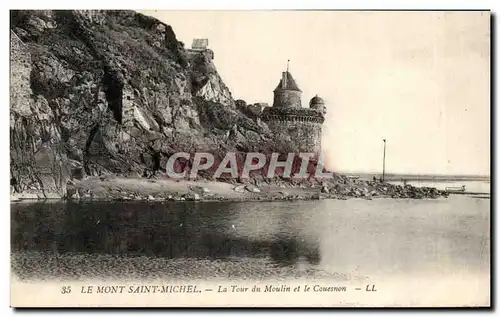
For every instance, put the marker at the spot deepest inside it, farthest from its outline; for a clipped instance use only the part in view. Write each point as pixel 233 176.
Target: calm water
pixel 341 239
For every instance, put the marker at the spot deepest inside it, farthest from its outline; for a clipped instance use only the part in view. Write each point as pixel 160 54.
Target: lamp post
pixel 383 164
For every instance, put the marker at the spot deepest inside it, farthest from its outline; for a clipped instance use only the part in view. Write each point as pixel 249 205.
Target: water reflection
pixel 252 240
pixel 287 251
pixel 168 231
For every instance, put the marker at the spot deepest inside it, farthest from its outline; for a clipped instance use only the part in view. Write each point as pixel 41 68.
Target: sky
pixel 420 80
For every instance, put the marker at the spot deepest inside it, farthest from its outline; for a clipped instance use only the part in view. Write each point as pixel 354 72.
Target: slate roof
pixel 316 100
pixel 290 83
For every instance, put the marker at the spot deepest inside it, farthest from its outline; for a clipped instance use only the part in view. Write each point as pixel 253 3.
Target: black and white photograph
pixel 250 158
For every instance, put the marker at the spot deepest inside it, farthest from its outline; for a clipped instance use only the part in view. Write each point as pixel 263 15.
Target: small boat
pixel 455 189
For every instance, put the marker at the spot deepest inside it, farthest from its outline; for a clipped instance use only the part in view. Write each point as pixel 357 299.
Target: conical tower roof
pixel 290 83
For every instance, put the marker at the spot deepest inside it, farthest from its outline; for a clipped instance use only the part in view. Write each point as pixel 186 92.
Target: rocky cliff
pixel 112 92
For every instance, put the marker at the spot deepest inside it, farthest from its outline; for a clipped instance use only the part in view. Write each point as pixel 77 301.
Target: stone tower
pixel 287 93
pixel 295 128
pixel 317 104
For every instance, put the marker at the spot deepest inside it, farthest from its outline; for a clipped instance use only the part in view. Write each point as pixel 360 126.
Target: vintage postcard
pixel 250 158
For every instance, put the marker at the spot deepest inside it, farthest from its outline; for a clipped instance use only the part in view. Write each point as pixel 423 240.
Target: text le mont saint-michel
pixel 188 288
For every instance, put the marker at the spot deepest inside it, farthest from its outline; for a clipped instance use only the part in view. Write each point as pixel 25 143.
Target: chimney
pixel 284 80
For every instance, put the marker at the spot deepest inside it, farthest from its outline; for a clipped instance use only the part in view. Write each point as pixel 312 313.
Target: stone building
pixel 199 46
pixel 295 127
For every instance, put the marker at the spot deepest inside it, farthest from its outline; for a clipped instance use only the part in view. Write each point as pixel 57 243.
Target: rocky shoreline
pixel 122 189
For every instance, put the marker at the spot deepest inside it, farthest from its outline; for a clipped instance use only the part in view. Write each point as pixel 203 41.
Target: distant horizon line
pixel 410 174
